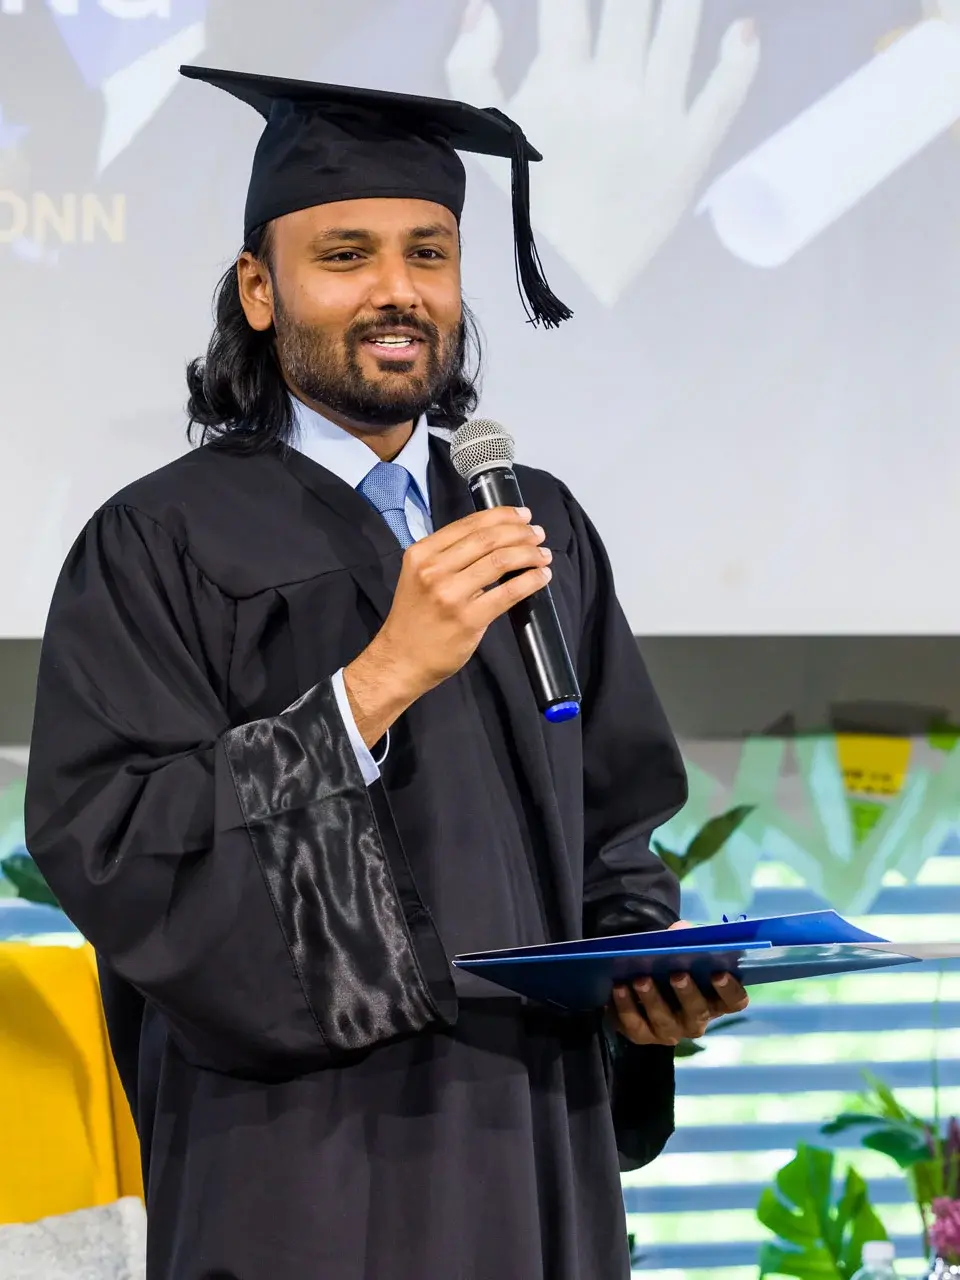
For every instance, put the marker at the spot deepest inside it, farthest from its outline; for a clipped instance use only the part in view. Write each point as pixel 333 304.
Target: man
pixel 287 764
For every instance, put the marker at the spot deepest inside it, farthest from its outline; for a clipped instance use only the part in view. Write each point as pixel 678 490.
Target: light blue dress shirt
pixel 350 459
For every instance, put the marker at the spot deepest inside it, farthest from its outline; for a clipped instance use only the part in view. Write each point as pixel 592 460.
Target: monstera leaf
pixel 818 1237
pixel 21 870
pixel 706 844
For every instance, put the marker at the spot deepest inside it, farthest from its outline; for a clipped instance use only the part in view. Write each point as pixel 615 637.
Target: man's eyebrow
pixel 431 232
pixel 361 235
pixel 337 235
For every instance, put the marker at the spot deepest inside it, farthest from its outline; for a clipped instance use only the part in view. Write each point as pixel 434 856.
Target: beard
pixel 327 370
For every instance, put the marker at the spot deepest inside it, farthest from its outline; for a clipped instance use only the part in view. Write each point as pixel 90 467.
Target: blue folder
pixel 581 975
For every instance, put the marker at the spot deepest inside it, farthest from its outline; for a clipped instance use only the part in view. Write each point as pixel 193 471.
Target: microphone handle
pixel 535 622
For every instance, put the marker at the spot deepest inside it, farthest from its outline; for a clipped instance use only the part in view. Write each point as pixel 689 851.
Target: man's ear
pixel 256 291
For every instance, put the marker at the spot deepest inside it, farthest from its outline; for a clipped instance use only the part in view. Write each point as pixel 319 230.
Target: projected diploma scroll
pixel 799 182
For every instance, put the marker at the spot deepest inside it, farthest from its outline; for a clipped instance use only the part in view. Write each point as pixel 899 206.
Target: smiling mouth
pixel 394 346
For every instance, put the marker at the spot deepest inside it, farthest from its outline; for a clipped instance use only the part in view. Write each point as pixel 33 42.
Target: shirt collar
pixel 349 458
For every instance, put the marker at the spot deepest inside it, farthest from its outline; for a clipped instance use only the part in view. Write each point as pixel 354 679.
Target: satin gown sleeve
pixel 234 874
pixel 634 780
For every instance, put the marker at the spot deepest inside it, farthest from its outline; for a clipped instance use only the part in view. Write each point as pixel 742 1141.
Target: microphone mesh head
pixel 480 444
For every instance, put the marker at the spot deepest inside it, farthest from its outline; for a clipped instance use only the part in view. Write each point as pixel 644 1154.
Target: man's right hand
pixel 445 600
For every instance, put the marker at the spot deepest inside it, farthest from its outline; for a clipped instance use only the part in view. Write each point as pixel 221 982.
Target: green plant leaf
pixel 688 1049
pixel 942 735
pixel 851 1119
pixel 672 860
pixel 776 1261
pixel 819 1178
pixel 816 1235
pixel 711 838
pixel 864 1223
pixel 796 1227
pixel 903 1146
pixel 928 1181
pixel 724 1024
pixel 24 875
pixel 713 835
pixel 851 1205
pixel 904 1141
pixel 890 1108
pixel 806 1182
pixel 708 842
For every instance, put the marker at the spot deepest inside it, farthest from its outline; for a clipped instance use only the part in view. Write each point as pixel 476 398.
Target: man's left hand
pixel 641 1013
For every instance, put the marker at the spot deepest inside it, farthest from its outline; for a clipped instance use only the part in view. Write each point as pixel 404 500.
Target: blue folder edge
pixel 580 975
pixel 585 981
pixel 779 931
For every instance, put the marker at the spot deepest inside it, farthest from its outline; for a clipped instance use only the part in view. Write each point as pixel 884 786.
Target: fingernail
pixel 524 513
pixel 547 572
pixel 748 31
pixel 472 14
pixel 539 530
pixel 546 553
pixel 723 980
pixel 644 986
pixel 680 980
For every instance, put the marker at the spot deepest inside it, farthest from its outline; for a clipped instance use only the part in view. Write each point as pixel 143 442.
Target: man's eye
pixel 428 253
pixel 343 255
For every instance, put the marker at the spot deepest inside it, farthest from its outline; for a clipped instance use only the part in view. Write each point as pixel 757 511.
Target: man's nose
pixel 395 288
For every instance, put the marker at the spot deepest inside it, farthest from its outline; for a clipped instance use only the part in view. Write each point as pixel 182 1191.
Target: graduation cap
pixel 325 143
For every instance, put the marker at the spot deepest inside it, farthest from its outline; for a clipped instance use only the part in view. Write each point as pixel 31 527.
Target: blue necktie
pixel 386 488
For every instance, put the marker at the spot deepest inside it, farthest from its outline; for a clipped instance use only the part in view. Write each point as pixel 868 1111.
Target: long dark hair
pixel 238 396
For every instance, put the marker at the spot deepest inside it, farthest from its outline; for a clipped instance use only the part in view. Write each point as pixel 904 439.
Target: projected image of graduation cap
pixel 326 143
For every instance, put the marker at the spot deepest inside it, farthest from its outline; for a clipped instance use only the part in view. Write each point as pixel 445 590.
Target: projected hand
pixel 624 152
pixel 644 1016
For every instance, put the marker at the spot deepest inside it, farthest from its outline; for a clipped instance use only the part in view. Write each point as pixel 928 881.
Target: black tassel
pixel 540 303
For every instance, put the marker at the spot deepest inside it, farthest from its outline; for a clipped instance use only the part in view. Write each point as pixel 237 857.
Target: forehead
pixel 378 217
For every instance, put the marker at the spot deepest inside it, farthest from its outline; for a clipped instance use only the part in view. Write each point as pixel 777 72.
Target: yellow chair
pixel 67 1139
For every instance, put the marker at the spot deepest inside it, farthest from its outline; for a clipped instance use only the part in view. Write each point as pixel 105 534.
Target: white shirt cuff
pixel 369 767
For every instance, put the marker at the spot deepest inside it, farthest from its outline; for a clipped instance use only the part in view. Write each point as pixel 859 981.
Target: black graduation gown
pixel 316 1093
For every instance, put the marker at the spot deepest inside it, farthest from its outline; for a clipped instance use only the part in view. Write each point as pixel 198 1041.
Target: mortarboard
pixel 325 143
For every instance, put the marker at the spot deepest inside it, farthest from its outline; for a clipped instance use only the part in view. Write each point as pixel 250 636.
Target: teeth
pixel 393 342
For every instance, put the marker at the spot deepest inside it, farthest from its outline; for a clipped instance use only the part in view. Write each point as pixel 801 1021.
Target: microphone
pixel 482 452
